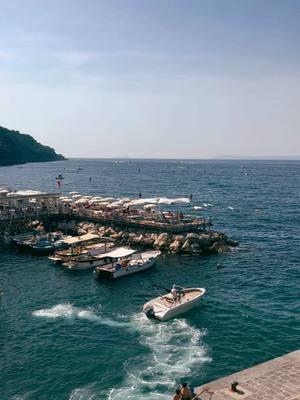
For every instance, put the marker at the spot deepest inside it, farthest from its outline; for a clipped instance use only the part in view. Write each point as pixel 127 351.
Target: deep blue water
pixel 66 336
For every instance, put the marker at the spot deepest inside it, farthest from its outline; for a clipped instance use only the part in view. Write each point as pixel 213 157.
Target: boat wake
pixel 70 312
pixel 176 349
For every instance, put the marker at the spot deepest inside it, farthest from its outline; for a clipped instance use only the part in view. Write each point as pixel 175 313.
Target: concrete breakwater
pixel 207 242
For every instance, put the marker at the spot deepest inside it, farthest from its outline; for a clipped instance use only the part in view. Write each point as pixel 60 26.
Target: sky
pixel 153 78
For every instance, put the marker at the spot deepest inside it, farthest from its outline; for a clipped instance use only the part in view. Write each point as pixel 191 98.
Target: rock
pixel 232 243
pixel 162 241
pixel 186 248
pixel 180 238
pixel 81 232
pixel 205 240
pixel 175 246
pixel 192 235
pixel 109 232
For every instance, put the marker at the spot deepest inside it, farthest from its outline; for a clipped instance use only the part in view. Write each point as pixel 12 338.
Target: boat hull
pixel 78 266
pixel 105 274
pixel 174 310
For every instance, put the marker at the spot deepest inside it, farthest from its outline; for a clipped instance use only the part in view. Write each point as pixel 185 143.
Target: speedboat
pixel 165 307
pixel 123 261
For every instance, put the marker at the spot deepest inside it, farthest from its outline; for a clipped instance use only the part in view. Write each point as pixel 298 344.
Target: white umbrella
pixel 149 206
pixel 71 193
pixel 81 201
pixel 77 196
pixel 95 201
pixel 67 200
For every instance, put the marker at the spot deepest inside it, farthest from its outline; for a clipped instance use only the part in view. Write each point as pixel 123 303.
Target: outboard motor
pixel 149 312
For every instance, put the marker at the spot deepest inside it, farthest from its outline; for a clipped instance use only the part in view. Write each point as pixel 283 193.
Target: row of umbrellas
pixel 111 202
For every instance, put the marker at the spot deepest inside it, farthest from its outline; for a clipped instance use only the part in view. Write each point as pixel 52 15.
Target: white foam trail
pixel 82 394
pixel 197 208
pixel 231 208
pixel 175 351
pixel 69 311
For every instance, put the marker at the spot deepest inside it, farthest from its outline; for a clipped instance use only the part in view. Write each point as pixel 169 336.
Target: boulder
pixel 180 238
pixel 192 235
pixel 162 241
pixel 175 246
pixel 186 248
pixel 205 240
pixel 81 231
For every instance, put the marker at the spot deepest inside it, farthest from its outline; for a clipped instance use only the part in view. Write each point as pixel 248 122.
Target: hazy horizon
pixel 139 79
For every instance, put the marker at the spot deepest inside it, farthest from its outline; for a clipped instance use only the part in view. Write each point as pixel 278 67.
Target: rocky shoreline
pixel 201 243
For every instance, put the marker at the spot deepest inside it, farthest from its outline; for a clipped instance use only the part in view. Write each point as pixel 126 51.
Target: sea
pixel 66 336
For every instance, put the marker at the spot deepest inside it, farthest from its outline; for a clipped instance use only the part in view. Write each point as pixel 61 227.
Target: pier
pixel 278 379
pixel 18 209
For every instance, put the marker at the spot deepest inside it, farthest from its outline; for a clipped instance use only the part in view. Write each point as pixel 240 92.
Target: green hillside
pixel 17 148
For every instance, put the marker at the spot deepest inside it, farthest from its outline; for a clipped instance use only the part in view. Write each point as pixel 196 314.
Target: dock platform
pixel 278 379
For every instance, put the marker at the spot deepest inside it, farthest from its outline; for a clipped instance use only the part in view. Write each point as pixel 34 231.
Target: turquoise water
pixel 67 336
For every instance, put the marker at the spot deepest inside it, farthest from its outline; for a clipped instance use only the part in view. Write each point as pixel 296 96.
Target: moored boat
pixel 166 307
pixel 93 257
pixel 123 261
pixel 75 246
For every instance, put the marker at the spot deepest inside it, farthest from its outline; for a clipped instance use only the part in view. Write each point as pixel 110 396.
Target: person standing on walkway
pixel 185 392
pixel 177 395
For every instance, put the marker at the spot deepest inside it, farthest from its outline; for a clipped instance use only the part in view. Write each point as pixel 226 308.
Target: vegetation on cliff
pixel 18 148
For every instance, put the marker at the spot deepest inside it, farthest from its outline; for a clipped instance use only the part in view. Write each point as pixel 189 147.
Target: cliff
pixel 17 148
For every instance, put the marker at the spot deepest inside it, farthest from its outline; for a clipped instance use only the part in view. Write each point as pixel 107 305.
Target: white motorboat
pixel 123 261
pixel 165 307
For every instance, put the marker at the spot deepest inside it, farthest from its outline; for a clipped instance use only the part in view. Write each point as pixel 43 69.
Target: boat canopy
pixel 118 253
pixel 80 239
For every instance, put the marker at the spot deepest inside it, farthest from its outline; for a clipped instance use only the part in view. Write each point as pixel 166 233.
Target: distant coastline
pixel 18 148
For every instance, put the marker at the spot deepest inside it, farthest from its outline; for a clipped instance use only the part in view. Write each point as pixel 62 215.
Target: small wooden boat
pixel 164 307
pixel 91 259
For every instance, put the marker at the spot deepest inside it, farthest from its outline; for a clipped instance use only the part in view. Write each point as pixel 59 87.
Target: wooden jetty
pixel 278 379
pixel 14 222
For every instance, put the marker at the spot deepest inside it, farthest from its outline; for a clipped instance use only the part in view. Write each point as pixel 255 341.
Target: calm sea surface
pixel 66 336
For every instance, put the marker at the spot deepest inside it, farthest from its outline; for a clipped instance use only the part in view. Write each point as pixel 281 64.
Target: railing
pixel 138 220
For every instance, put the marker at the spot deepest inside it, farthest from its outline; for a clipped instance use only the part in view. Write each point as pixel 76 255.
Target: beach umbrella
pixel 67 200
pixel 77 196
pixel 116 204
pixel 81 201
pixel 71 193
pixel 149 206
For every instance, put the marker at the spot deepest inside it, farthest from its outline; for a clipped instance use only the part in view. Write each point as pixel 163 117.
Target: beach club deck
pixel 20 208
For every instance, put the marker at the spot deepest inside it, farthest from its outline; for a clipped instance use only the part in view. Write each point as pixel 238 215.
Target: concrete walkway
pixel 278 379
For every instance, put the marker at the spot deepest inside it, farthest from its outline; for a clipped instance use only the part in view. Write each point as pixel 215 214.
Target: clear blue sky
pixel 155 78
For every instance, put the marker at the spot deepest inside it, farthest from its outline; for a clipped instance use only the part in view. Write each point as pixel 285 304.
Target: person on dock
pixel 185 392
pixel 177 395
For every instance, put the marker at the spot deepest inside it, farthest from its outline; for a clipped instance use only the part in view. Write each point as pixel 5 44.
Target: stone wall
pixel 188 243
